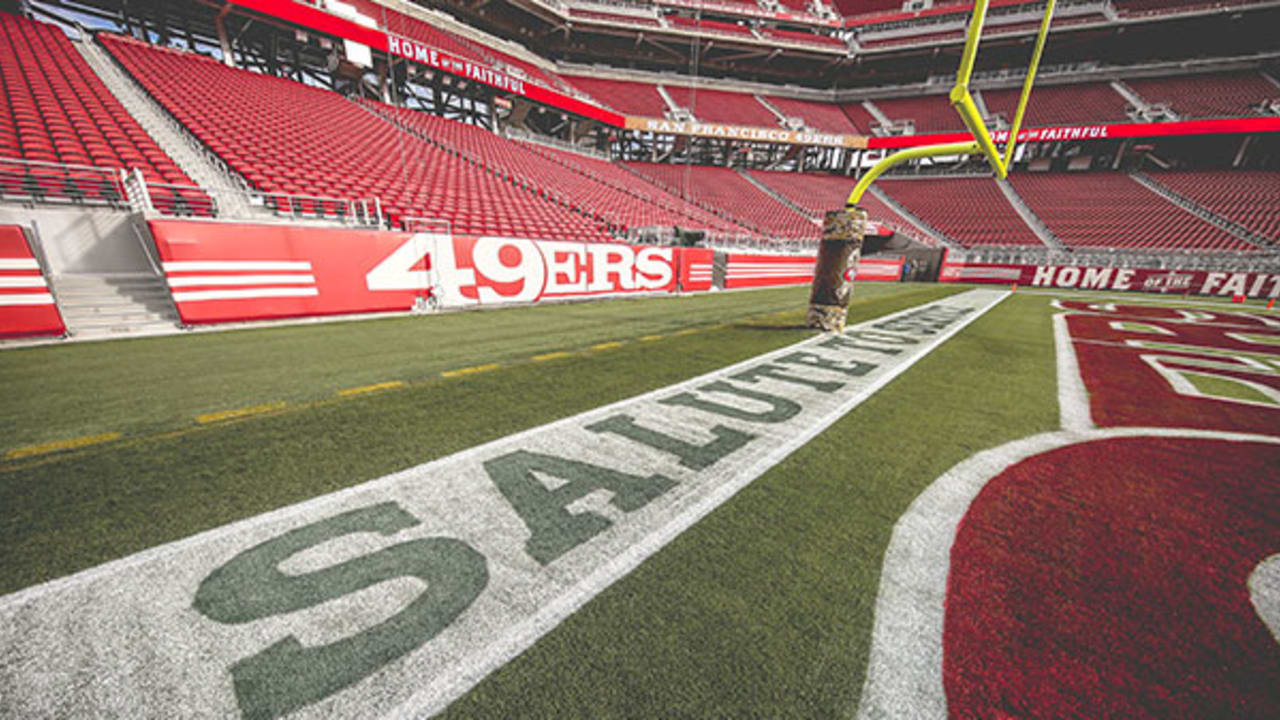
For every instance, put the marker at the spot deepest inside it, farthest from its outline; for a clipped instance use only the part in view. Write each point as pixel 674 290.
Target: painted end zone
pixel 394 597
pixel 1110 579
pixel 26 306
pixel 1103 572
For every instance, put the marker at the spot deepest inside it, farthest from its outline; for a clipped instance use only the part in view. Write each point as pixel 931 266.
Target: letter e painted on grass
pixel 287 676
pixel 554 530
pixel 853 369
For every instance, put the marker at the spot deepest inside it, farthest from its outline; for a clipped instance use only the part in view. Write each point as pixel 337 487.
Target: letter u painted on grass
pixel 287 675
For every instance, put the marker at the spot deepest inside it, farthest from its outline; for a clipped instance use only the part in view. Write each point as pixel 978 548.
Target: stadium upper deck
pixel 420 165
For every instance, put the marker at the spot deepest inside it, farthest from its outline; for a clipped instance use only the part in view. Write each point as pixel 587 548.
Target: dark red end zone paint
pixel 1108 580
pixel 1126 391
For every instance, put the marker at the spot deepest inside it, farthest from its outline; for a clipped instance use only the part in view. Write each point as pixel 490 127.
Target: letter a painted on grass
pixel 287 675
pixel 554 530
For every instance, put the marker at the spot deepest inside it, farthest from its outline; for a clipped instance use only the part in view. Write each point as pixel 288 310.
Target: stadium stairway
pixel 776 196
pixel 181 146
pixel 1032 220
pixel 914 219
pixel 1200 211
pixel 114 305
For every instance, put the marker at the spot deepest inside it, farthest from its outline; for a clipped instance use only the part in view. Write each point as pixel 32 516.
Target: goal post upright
pixel 842 241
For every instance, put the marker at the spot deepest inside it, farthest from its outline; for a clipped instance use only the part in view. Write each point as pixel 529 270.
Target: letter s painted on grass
pixel 287 675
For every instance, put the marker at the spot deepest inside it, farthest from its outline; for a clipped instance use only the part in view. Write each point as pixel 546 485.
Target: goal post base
pixel 842 235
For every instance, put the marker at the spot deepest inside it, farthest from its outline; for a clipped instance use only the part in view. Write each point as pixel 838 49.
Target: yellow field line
pixel 60 445
pixel 470 370
pixel 550 356
pixel 238 412
pixel 606 346
pixel 686 331
pixel 389 385
pixel 651 338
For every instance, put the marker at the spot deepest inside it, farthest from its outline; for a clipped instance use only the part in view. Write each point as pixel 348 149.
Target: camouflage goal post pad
pixel 842 234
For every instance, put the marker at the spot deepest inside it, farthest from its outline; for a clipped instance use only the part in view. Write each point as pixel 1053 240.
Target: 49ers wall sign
pixel 225 273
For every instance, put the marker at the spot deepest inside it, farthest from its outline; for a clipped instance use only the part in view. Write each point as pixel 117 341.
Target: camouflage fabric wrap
pixel 838 253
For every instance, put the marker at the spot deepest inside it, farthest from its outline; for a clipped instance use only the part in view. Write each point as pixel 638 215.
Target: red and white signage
pixel 496 270
pixel 221 272
pixel 1073 277
pixel 26 305
pixel 750 270
pixel 696 268
pixel 323 21
pixel 879 269
pixel 1225 126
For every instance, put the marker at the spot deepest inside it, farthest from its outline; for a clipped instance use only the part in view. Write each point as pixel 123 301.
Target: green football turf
pixel 1218 386
pixel 763 609
pixel 68 511
pixel 145 385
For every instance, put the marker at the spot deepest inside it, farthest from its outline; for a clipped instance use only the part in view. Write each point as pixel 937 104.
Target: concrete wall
pixel 77 241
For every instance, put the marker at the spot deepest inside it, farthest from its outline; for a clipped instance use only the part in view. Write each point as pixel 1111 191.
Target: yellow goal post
pixel 962 101
pixel 844 229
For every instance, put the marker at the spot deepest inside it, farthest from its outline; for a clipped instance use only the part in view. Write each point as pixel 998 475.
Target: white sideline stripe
pixel 19 264
pixel 26 299
pixel 904 668
pixel 471 667
pixel 205 295
pixel 124 563
pixel 206 280
pixel 442 691
pixel 234 265
pixel 22 281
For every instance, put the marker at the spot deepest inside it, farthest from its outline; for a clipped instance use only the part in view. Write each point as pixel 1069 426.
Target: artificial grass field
pixel 763 609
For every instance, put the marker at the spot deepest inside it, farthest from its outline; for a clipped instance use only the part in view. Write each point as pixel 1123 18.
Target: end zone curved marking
pixel 1073 398
pixel 904 669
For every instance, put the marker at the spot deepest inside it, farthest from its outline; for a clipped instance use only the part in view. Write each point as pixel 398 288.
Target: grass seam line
pixel 470 370
pixel 57 445
pixel 389 385
pixel 214 417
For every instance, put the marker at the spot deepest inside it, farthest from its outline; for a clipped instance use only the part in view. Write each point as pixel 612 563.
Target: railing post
pixel 135 183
